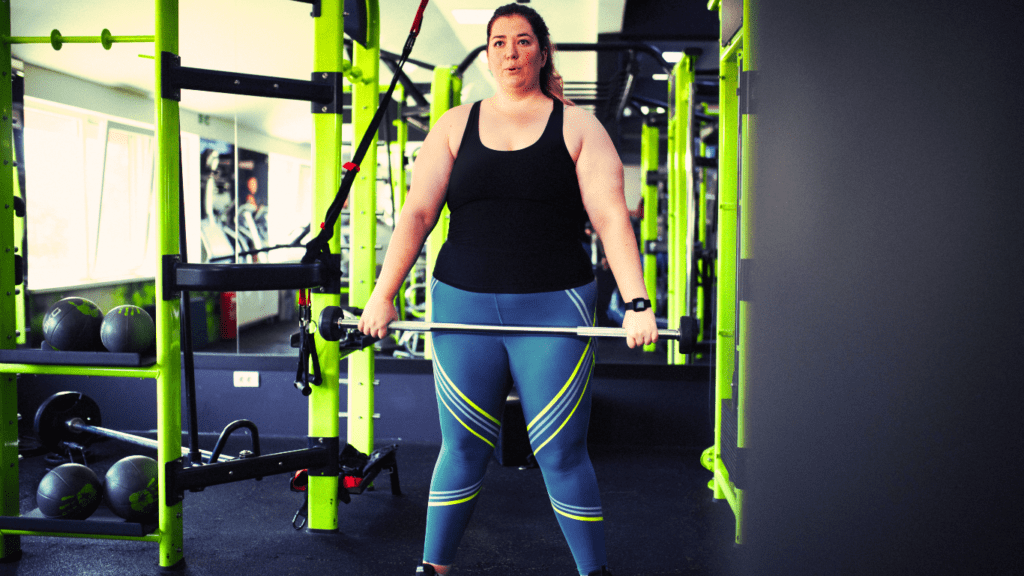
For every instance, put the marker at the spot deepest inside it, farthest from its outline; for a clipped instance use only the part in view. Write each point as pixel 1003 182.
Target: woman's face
pixel 514 55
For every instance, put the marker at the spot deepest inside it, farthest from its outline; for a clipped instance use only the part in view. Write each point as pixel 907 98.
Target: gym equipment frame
pixel 727 458
pixel 176 277
pixel 687 199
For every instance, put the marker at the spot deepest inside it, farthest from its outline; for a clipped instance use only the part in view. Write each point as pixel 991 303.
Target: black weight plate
pixel 689 328
pixel 53 414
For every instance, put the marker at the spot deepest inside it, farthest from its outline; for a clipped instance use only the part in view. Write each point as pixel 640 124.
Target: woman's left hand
pixel 641 328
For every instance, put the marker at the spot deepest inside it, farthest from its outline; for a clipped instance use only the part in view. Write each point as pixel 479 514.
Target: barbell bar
pixel 75 417
pixel 334 325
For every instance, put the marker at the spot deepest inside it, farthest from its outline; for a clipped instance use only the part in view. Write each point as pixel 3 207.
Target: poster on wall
pixel 217 200
pixel 253 232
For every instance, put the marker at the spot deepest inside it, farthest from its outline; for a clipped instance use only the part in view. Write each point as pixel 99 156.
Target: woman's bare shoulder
pixel 580 118
pixel 579 126
pixel 455 117
pixel 451 125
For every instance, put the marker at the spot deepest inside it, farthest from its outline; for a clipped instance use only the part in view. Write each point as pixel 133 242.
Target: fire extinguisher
pixel 228 316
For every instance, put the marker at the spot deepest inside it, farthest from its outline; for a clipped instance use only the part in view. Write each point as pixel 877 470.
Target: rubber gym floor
pixel 660 518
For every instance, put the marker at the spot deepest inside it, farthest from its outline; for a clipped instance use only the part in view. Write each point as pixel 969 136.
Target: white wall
pixel 132 105
pixel 633 185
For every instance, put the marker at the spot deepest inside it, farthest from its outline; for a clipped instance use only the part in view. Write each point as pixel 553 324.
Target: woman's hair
pixel 550 80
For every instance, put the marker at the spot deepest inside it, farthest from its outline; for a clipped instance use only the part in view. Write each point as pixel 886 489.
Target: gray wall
pixel 667 407
pixel 885 397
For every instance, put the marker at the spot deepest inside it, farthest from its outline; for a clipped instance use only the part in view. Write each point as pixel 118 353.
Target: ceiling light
pixel 672 57
pixel 464 16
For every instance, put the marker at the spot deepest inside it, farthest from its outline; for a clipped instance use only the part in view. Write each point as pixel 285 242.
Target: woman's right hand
pixel 377 314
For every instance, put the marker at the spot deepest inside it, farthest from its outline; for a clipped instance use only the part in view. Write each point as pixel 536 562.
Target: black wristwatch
pixel 639 305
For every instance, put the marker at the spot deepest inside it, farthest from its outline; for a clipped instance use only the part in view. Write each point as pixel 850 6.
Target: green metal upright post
pixel 446 89
pixel 680 200
pixel 726 303
pixel 396 156
pixel 746 249
pixel 10 546
pixel 734 194
pixel 649 160
pixel 705 293
pixel 363 253
pixel 168 344
pixel 674 161
pixel 20 314
pixel 328 57
pixel 397 161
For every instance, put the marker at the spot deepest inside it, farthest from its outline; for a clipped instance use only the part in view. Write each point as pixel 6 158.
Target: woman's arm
pixel 419 215
pixel 599 170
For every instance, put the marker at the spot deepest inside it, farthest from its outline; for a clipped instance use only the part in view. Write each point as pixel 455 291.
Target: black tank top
pixel 517 217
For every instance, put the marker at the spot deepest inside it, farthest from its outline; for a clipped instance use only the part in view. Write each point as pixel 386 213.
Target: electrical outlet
pixel 244 379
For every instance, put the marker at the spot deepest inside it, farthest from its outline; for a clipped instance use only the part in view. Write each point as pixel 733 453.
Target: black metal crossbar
pixel 320 90
pixel 238 277
pixel 181 478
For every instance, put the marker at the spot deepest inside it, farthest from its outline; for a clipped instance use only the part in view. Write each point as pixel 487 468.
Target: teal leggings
pixel 474 373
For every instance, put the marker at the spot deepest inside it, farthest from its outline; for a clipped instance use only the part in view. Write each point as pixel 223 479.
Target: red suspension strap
pixel 415 30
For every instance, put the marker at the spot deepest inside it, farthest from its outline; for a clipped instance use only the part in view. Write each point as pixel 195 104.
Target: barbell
pixel 334 325
pixel 75 417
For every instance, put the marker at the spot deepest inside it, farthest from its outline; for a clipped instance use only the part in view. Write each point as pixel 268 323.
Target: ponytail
pixel 553 86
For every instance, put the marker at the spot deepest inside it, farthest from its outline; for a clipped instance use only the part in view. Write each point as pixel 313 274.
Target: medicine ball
pixel 69 492
pixel 73 324
pixel 132 488
pixel 127 329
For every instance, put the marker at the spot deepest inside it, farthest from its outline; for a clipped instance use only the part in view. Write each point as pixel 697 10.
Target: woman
pixel 522 172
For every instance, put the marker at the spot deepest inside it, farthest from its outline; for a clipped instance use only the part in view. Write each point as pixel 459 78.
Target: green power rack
pixel 324 91
pixel 727 458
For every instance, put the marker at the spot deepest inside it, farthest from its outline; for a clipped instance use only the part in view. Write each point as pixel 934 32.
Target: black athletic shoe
pixel 602 572
pixel 425 570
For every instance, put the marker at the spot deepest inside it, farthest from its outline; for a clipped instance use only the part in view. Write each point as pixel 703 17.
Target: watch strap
pixel 639 304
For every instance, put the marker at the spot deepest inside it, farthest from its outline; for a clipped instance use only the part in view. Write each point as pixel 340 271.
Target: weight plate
pixel 53 414
pixel 689 328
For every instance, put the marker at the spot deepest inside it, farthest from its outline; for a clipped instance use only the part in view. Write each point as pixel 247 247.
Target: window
pixel 89 193
pixel 291 194
pixel 55 197
pixel 125 224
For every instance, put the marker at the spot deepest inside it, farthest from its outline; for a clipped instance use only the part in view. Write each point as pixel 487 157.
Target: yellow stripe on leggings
pixel 454 502
pixel 581 518
pixel 463 396
pixel 471 431
pixel 564 388
pixel 567 418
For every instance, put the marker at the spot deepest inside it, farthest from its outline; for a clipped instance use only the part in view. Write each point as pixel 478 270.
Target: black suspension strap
pixel 307 349
pixel 317 248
